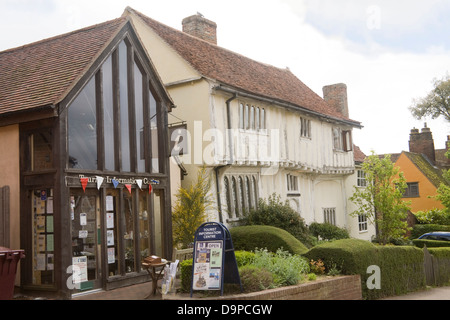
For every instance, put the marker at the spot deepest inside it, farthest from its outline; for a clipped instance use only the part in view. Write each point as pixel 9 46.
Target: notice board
pixel 214 261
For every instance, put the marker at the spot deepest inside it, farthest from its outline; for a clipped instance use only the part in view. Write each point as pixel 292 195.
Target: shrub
pixel 273 212
pixel 401 266
pixel 186 275
pixel 249 238
pixel 420 229
pixel 190 210
pixel 255 278
pixel 244 257
pixel 430 243
pixel 327 231
pixel 434 216
pixel 287 269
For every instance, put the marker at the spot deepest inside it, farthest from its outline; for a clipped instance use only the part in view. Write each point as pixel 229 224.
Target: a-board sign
pixel 214 261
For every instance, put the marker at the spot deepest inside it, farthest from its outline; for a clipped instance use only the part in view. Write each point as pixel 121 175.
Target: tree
pixel 190 209
pixel 443 192
pixel 381 200
pixel 436 103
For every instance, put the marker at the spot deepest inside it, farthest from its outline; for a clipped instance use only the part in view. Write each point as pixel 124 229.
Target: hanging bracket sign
pixel 214 260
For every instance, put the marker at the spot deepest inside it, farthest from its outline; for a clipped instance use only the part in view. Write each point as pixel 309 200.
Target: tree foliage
pixel 190 210
pixel 381 200
pixel 436 103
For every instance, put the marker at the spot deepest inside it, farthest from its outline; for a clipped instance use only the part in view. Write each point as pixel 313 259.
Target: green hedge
pixel 430 243
pixel 420 229
pixel 401 267
pixel 250 237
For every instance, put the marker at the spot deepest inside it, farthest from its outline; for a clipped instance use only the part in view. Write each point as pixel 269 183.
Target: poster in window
pixel 111 255
pixel 79 265
pixel 110 237
pixel 110 220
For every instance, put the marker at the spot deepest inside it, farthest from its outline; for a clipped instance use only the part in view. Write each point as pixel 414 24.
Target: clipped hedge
pixel 328 231
pixel 401 267
pixel 420 243
pixel 420 229
pixel 248 238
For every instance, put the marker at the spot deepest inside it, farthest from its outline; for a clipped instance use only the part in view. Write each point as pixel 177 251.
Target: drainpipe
pixel 230 141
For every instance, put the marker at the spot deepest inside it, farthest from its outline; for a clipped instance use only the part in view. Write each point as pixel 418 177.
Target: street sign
pixel 214 261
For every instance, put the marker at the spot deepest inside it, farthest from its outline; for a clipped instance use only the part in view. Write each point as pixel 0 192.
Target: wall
pixel 426 188
pixel 330 288
pixel 10 164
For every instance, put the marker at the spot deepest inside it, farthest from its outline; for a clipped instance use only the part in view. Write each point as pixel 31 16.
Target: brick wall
pixel 330 288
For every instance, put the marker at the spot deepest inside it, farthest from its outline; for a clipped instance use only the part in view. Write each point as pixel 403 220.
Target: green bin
pixel 9 259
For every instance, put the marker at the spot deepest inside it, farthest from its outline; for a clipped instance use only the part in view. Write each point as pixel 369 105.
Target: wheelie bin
pixel 9 259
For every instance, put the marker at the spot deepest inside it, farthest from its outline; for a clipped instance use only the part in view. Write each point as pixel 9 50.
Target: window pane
pixel 124 117
pixel 138 97
pixel 108 117
pixel 129 232
pixel 41 150
pixel 154 133
pixel 144 225
pixel 83 129
pixel 241 116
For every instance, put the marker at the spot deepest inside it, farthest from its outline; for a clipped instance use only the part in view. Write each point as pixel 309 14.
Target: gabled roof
pixel 238 71
pixel 42 73
pixel 433 174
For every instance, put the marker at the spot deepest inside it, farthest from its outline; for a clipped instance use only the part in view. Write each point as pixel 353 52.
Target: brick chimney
pixel 336 96
pixel 422 142
pixel 200 27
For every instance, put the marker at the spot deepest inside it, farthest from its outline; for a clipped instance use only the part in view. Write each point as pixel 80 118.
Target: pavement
pixel 142 292
pixel 431 293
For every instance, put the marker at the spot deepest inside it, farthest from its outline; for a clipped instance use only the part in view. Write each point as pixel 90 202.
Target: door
pixel 86 240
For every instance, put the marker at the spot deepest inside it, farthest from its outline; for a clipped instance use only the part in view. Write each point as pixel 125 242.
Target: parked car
pixel 436 235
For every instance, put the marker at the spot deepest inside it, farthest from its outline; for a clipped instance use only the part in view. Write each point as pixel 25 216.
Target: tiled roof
pixel 358 155
pixel 238 71
pixel 42 73
pixel 423 164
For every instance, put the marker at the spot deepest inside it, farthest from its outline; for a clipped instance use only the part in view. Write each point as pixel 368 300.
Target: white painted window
pixel 329 215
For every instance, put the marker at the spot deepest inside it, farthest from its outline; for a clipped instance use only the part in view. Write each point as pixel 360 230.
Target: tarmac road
pixel 435 293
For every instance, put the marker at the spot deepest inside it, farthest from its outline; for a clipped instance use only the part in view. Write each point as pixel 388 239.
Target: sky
pixel 387 52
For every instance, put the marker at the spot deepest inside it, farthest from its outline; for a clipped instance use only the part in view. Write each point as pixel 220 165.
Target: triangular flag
pixel 99 181
pixel 115 182
pixel 128 187
pixel 149 188
pixel 139 183
pixel 84 182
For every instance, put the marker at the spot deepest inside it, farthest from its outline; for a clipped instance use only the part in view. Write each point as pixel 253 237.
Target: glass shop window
pixel 42 254
pixel 83 129
pixel 41 145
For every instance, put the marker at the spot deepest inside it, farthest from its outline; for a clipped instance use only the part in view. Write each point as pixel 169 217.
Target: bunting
pixel 116 182
pixel 84 182
pixel 99 182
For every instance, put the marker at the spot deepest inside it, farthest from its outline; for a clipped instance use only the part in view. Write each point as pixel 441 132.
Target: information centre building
pixel 84 160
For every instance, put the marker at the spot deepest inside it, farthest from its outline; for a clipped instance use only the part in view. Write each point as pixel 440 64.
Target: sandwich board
pixel 214 261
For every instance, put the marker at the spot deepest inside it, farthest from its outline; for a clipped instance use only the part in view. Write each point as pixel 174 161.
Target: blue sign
pixel 214 260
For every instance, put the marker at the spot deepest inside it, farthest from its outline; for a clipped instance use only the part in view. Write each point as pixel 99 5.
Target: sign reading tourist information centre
pixel 214 259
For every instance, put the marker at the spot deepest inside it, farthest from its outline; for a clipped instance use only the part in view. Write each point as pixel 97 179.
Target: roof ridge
pixel 59 36
pixel 140 14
